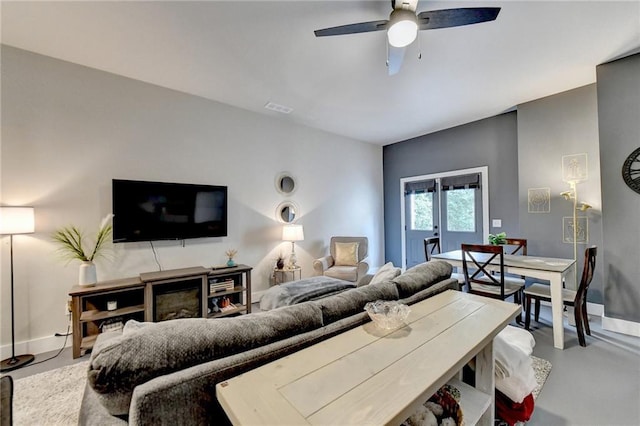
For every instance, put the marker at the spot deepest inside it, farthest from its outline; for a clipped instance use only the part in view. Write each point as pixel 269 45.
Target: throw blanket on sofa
pixel 302 290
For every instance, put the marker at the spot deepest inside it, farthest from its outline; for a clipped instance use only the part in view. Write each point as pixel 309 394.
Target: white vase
pixel 87 276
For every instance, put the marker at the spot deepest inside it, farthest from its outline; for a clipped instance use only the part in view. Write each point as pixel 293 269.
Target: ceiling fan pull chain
pixel 419 47
pixel 387 62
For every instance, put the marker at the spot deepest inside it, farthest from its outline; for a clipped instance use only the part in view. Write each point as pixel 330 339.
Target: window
pixel 422 211
pixel 461 210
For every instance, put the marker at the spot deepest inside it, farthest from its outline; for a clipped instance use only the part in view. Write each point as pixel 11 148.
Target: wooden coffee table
pixel 372 376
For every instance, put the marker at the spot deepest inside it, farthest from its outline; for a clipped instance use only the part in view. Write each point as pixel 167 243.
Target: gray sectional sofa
pixel 165 373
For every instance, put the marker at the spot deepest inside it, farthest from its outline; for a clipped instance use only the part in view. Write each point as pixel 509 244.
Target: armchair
pixel 346 259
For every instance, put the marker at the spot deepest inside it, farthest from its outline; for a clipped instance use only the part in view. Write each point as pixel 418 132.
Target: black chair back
pixel 587 275
pixel 519 245
pixel 473 254
pixel 431 246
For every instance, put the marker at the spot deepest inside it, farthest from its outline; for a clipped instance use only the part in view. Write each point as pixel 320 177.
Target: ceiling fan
pixel 403 25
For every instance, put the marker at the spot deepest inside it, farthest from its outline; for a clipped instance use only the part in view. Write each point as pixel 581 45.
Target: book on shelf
pixel 226 285
pixel 229 307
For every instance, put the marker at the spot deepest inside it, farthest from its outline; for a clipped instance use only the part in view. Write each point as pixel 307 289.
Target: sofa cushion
pixel 346 273
pixel 148 350
pixel 352 302
pixel 422 276
pixel 385 273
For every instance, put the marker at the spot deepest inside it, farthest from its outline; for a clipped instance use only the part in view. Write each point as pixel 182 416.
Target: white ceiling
pixel 246 54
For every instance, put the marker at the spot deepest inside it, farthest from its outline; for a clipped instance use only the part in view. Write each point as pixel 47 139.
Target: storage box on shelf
pixel 157 296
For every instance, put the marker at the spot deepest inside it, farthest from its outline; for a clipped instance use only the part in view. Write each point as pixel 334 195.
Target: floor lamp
pixel 15 220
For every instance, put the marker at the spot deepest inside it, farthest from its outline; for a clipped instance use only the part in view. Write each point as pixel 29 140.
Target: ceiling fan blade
pixel 446 18
pixel 395 57
pixel 361 27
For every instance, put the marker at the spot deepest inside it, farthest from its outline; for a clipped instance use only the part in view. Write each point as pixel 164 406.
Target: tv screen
pixel 149 211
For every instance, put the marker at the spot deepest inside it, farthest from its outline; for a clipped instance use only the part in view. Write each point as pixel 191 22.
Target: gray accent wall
pixel 548 129
pixel 619 123
pixel 491 142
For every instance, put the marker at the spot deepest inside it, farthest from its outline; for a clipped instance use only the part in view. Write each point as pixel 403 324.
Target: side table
pixel 286 274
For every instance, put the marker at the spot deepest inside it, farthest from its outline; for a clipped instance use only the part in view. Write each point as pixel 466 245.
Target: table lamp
pixel 15 220
pixel 292 233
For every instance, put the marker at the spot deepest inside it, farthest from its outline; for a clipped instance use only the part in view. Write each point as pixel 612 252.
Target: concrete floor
pixel 594 385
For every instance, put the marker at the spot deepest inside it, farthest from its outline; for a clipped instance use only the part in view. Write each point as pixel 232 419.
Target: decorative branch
pixel 71 241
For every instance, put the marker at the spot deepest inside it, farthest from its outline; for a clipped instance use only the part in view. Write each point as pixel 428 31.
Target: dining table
pixel 558 271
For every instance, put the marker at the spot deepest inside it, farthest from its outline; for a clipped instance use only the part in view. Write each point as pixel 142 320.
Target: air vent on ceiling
pixel 278 108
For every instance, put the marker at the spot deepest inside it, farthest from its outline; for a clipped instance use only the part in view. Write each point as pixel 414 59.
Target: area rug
pixel 50 398
pixel 541 368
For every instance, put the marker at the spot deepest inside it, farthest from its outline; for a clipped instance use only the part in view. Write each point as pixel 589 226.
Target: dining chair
pixel 518 245
pixel 575 298
pixel 432 246
pixel 479 279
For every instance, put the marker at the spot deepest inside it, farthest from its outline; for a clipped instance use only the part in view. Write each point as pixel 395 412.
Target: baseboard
pixel 611 324
pixel 595 309
pixel 621 326
pixel 37 346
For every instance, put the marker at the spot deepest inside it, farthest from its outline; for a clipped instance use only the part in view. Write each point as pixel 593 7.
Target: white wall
pixel 68 130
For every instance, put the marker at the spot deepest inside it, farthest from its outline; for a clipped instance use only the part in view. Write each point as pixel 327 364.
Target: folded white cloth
pixel 512 346
pixel 520 384
pixel 514 373
pixel 520 338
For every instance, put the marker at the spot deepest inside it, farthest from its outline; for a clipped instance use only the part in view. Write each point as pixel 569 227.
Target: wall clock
pixel 631 171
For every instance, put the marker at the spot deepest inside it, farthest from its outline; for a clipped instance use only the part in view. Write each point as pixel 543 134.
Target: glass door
pixel 451 205
pixel 461 218
pixel 422 218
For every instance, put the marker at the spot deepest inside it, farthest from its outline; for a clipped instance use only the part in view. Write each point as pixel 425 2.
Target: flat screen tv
pixel 150 211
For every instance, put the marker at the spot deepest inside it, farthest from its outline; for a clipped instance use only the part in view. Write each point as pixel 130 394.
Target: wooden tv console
pixel 158 296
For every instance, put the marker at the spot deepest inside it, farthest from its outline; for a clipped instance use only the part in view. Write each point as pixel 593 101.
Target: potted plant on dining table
pixel 498 239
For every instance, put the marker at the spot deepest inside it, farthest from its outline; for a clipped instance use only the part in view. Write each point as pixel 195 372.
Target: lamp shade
pixel 292 233
pixel 16 220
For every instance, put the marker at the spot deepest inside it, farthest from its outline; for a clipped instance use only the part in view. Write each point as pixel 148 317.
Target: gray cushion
pixel 347 273
pixel 6 399
pixel 422 276
pixel 439 287
pixel 142 353
pixel 386 273
pixel 352 302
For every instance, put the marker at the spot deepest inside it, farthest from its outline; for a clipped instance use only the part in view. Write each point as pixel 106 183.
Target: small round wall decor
pixel 631 171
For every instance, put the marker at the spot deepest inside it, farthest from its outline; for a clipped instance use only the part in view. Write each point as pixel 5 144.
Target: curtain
pixel 419 187
pixel 460 182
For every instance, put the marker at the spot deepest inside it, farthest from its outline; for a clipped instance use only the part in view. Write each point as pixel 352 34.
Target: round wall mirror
pixel 285 183
pixel 287 212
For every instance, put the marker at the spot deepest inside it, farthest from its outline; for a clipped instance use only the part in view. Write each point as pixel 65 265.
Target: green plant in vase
pixel 497 239
pixel 72 246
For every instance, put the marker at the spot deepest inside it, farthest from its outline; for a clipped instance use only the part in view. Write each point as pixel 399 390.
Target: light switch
pixel 497 223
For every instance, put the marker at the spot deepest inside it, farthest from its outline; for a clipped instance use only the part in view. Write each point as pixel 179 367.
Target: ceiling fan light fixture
pixel 403 28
